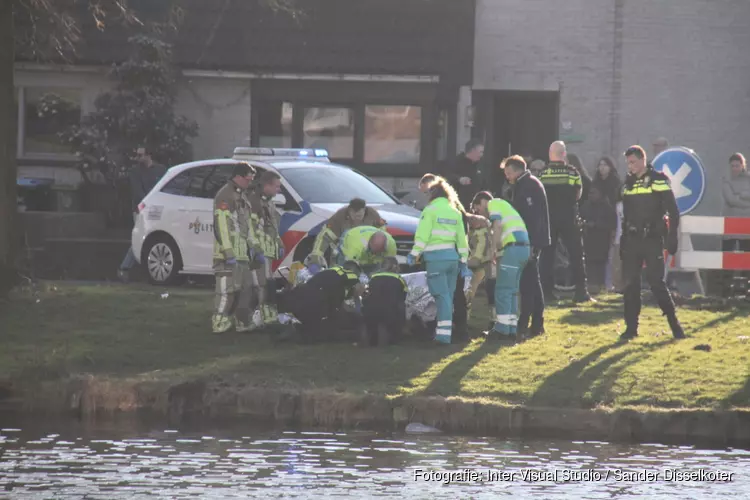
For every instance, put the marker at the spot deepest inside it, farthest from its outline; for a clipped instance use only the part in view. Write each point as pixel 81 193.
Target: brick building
pixel 614 73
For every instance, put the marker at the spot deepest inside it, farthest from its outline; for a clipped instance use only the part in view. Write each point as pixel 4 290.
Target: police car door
pixel 204 184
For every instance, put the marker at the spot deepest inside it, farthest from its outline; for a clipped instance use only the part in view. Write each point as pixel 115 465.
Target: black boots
pixel 676 327
pixel 674 324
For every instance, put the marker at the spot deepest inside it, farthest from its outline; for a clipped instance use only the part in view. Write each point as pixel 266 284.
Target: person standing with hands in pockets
pixel 441 238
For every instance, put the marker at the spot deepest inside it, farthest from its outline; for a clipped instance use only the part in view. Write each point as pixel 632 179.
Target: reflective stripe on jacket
pixel 441 233
pixel 231 223
pixel 510 227
pixel 390 275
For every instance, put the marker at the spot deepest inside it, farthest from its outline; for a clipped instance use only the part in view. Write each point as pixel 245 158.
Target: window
pixel 392 134
pixel 217 180
pixel 334 185
pixel 198 180
pixel 274 124
pixel 442 135
pixel 48 111
pixel 178 185
pixel 331 129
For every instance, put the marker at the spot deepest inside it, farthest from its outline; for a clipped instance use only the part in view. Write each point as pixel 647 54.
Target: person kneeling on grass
pixel 384 306
pixel 319 302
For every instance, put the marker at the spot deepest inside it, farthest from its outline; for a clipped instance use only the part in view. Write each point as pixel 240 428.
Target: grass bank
pixel 150 334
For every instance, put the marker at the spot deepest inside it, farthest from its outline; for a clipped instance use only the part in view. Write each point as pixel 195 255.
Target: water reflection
pixel 109 462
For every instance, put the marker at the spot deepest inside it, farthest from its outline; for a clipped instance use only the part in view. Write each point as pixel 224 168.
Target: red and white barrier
pixel 689 259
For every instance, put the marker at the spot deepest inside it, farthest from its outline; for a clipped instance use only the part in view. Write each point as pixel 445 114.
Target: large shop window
pixel 48 112
pixel 275 124
pixel 392 134
pixel 331 129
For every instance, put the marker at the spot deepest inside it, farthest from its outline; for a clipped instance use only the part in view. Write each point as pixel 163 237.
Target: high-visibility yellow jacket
pixel 507 224
pixel 441 234
pixel 355 246
pixel 231 223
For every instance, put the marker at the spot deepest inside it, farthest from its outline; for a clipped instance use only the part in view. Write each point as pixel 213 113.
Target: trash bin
pixel 35 194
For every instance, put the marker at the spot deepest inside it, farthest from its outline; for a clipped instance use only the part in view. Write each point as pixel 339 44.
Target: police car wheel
pixel 162 262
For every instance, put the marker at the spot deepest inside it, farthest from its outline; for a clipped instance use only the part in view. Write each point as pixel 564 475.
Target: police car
pixel 174 233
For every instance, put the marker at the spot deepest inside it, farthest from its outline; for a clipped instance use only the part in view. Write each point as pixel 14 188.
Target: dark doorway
pixel 524 123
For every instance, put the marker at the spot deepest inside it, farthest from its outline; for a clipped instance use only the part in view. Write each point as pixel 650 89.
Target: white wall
pixel 221 107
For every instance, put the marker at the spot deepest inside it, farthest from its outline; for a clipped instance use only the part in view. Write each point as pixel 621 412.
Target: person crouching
pixel 318 303
pixel 384 306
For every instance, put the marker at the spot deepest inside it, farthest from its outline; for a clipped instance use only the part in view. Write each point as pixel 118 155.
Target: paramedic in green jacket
pixel 367 246
pixel 512 243
pixel 441 239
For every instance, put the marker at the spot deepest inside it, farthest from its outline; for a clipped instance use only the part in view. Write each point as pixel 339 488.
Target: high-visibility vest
pixel 441 229
pixel 512 226
pixel 355 245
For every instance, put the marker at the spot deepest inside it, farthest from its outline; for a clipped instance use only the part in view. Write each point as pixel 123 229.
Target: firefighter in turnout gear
pixel 563 186
pixel 481 254
pixel 265 244
pixel 230 258
pixel 441 239
pixel 384 306
pixel 647 197
pixel 356 214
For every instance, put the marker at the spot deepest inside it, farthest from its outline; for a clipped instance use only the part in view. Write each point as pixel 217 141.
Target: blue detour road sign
pixel 686 173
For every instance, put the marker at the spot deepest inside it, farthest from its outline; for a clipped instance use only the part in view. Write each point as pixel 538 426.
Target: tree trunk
pixel 8 135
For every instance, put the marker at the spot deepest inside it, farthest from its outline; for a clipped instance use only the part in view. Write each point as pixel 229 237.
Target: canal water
pixel 121 461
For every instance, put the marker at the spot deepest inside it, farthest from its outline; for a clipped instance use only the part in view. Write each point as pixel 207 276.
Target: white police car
pixel 174 232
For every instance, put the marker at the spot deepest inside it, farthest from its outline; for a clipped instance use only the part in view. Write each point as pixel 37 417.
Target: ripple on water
pixel 317 464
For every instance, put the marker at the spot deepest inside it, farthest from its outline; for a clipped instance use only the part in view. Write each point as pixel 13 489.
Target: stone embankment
pixel 98 398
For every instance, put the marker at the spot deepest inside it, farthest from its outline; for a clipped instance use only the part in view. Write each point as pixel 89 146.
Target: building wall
pixel 221 107
pixel 628 71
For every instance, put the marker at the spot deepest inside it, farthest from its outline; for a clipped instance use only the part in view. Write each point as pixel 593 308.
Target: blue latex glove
pixel 231 261
pixel 465 271
pixel 411 260
pixel 281 253
pixel 313 268
pixel 260 258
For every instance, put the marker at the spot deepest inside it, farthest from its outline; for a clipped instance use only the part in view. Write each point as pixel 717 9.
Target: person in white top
pixel 613 279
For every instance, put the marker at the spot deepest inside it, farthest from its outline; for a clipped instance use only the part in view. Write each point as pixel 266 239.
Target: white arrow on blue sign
pixel 686 174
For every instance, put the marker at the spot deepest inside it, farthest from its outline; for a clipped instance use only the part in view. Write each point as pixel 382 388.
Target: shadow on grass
pixel 722 319
pixel 448 382
pixel 593 373
pixel 122 332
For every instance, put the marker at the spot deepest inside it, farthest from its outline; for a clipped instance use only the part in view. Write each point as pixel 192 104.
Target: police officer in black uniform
pixel 317 303
pixel 563 185
pixel 647 197
pixel 384 306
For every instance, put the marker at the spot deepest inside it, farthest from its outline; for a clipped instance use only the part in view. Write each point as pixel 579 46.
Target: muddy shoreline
pixel 92 398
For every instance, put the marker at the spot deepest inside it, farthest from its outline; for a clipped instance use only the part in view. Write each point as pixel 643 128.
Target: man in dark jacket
pixel 143 178
pixel 462 175
pixel 530 200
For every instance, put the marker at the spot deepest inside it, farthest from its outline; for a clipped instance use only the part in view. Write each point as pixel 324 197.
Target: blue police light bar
pixel 293 152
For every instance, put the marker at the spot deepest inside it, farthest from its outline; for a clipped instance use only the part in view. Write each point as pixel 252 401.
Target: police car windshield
pixel 334 185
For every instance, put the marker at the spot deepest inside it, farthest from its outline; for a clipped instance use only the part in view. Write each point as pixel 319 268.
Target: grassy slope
pixel 130 331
